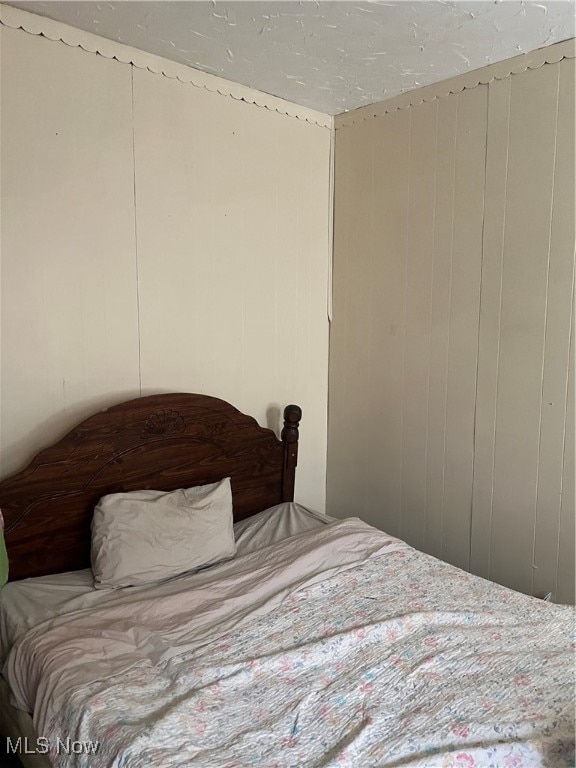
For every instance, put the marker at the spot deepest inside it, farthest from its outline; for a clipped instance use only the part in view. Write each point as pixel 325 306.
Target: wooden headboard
pixel 160 442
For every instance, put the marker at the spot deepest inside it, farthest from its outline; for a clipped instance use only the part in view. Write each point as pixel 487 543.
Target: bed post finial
pixel 290 434
pixel 292 416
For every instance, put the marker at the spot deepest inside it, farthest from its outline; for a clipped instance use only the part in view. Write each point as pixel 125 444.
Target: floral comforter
pixel 400 660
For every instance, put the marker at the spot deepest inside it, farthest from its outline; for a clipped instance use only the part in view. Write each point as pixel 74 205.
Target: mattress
pixel 27 603
pixel 335 646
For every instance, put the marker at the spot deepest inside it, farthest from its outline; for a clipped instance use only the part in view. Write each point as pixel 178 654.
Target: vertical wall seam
pixel 242 297
pixel 346 263
pixel 371 262
pixel 570 342
pixel 136 234
pixel 447 386
pixel 407 240
pixel 330 297
pixel 543 367
pixel 482 267
pixel 501 292
pixel 430 326
pixel 331 206
pixel 243 303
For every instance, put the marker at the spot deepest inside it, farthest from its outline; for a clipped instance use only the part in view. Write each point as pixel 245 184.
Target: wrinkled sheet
pixel 384 657
pixel 150 625
pixel 25 604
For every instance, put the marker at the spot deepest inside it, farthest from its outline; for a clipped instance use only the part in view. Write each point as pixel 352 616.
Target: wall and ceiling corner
pixel 162 229
pixel 451 391
pixel 330 56
pixel 148 243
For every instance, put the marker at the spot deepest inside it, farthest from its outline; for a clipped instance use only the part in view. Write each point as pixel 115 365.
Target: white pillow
pixel 146 536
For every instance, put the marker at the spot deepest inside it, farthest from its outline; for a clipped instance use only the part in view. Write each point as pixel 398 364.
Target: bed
pixel 320 642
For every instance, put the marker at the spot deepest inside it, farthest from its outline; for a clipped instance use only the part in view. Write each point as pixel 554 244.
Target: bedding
pixel 337 646
pixel 26 603
pixel 276 524
pixel 146 536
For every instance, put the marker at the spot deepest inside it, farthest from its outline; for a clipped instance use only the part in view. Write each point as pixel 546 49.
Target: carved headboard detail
pixel 162 442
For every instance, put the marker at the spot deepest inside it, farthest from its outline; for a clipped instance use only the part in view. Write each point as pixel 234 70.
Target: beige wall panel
pixel 384 389
pixel 340 428
pixel 556 345
pixel 358 313
pixel 454 252
pixel 533 103
pixel 441 290
pixel 69 315
pixel 300 238
pixel 566 576
pixel 368 325
pixel 490 311
pixel 232 231
pixel 470 158
pixel 417 330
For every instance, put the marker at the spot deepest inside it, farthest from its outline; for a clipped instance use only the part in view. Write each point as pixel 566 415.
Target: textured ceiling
pixel 329 55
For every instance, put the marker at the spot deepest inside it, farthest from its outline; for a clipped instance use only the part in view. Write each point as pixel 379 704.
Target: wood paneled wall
pixel 451 408
pixel 156 237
